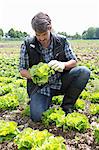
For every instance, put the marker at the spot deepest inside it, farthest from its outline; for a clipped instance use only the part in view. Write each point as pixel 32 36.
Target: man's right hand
pixel 25 73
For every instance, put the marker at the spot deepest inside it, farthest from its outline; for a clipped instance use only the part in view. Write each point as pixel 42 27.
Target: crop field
pixel 56 131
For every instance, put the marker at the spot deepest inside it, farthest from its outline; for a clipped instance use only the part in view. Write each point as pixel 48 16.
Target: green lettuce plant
pixel 94 97
pixel 76 121
pixel 5 80
pixel 6 89
pixel 40 73
pixel 26 111
pixel 52 143
pixel 57 99
pixel 8 101
pixel 80 104
pixel 38 140
pixel 94 109
pixel 24 140
pixel 20 83
pixel 96 134
pixel 54 115
pixel 29 138
pixel 8 130
pixel 84 95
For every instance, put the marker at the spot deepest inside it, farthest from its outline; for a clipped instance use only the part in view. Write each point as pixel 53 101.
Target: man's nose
pixel 41 38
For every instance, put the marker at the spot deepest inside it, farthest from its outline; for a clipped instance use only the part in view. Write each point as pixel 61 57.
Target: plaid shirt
pixel 47 53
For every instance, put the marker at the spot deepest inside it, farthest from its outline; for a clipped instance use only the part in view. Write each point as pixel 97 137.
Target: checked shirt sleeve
pixel 69 52
pixel 23 60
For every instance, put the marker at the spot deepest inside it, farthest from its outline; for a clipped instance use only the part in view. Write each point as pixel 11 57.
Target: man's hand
pixel 57 65
pixel 25 73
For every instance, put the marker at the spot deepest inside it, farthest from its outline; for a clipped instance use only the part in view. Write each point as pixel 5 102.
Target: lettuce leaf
pixel 40 73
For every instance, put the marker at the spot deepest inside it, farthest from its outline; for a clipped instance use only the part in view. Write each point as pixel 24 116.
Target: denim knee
pixel 85 72
pixel 39 103
pixel 35 113
pixel 35 117
pixel 83 77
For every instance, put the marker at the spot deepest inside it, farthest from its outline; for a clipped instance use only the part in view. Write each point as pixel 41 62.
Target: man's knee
pixel 39 103
pixel 35 116
pixel 84 72
pixel 80 71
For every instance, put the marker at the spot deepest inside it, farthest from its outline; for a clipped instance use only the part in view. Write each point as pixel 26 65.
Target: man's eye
pixel 45 34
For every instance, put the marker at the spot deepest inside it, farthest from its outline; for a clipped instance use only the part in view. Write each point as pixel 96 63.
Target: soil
pixel 73 139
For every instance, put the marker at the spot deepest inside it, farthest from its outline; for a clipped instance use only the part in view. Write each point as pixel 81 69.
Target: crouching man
pixel 69 79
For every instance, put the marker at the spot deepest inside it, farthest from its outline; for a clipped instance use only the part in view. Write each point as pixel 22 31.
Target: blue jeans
pixel 38 104
pixel 73 82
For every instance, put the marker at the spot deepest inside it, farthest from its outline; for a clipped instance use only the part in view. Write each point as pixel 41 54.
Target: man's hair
pixel 40 22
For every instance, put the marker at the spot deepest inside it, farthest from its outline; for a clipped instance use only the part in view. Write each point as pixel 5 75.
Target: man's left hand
pixel 57 65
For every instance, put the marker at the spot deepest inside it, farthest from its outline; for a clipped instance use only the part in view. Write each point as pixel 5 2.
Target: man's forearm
pixel 70 64
pixel 25 73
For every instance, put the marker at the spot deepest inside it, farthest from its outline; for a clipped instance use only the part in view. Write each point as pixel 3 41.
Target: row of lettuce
pixel 30 139
pixel 42 140
pixel 13 93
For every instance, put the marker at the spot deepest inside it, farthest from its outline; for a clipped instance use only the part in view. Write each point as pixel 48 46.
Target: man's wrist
pixel 65 68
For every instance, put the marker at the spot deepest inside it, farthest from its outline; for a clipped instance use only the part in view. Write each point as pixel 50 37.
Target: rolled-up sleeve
pixel 23 59
pixel 69 52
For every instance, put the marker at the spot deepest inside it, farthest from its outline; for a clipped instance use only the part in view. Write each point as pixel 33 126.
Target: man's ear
pixel 49 27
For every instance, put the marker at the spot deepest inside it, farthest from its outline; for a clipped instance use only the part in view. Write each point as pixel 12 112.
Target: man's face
pixel 43 38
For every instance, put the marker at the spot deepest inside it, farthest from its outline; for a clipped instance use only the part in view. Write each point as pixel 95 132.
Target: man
pixel 55 50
